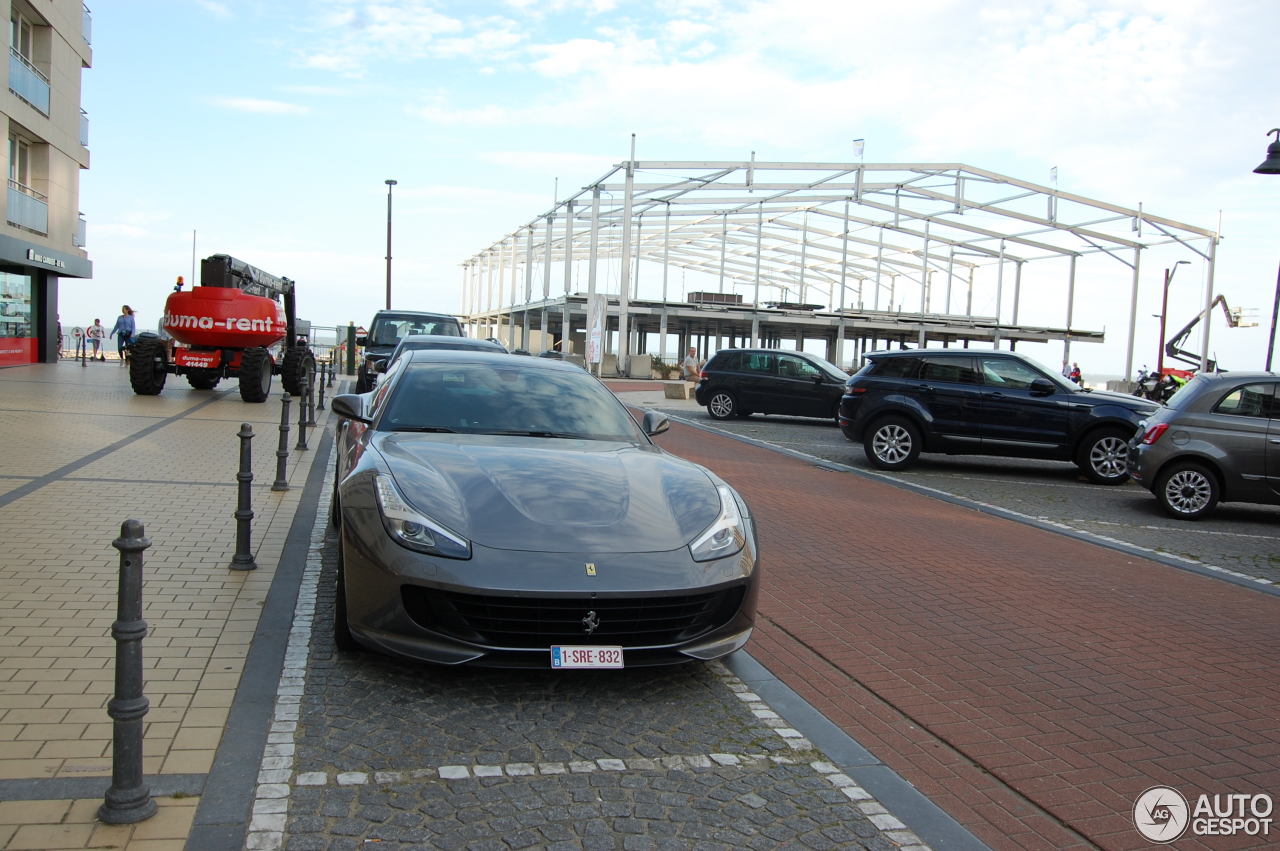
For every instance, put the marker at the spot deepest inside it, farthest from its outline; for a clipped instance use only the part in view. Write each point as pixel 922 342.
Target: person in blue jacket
pixel 123 330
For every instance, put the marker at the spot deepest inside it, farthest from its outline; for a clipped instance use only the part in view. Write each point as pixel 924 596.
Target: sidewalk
pixel 85 454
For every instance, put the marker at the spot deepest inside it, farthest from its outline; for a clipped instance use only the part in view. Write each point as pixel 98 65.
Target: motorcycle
pixel 1156 387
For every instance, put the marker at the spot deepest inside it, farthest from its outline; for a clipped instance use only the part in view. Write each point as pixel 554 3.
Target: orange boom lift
pixel 231 326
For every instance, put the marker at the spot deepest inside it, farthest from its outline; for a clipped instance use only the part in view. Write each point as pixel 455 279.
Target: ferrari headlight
pixel 723 537
pixel 411 528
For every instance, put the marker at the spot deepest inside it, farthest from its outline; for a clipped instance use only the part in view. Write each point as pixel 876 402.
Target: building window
pixel 20 35
pixel 19 162
pixel 17 344
pixel 27 208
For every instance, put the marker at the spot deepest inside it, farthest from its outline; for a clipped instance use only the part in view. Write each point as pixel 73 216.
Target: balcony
pixel 26 81
pixel 86 26
pixel 78 238
pixel 84 128
pixel 28 208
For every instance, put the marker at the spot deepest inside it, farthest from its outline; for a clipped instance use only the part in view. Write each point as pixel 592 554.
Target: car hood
pixel 1133 403
pixel 553 495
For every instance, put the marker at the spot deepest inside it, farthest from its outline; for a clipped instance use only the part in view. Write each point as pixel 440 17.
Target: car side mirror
pixel 654 423
pixel 817 379
pixel 349 406
pixel 380 367
pixel 1043 387
pixel 362 341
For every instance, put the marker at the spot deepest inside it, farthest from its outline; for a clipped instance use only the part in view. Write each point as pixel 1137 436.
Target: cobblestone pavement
pixel 377 750
pixel 1243 538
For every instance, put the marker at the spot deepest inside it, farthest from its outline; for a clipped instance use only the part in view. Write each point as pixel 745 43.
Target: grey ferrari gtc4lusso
pixel 508 511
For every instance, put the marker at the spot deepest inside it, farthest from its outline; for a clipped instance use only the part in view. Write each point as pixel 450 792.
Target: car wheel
pixel 722 405
pixel 1104 457
pixel 335 509
pixel 1186 490
pixel 835 413
pixel 342 637
pixel 892 444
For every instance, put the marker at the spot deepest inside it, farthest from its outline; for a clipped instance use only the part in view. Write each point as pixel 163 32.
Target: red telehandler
pixel 228 327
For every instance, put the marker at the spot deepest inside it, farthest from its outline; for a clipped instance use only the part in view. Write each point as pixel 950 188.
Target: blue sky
pixel 269 127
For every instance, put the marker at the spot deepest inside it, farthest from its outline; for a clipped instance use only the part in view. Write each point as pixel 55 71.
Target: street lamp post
pixel 389 183
pixel 1271 165
pixel 1164 310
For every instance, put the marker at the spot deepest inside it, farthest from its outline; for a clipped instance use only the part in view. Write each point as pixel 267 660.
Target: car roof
pixel 1235 377
pixel 765 352
pixel 479 355
pixel 414 313
pixel 449 339
pixel 955 353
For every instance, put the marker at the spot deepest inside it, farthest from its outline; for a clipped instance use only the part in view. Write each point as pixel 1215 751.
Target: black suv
pixel 386 331
pixel 742 382
pixel 963 402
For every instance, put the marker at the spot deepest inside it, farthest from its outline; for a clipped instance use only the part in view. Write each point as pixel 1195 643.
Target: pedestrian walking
pixel 95 334
pixel 1075 374
pixel 58 318
pixel 692 368
pixel 123 330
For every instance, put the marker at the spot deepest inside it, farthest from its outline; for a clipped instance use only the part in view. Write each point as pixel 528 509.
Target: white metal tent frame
pixel 839 228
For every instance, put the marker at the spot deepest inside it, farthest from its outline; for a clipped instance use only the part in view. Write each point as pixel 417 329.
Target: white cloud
pixel 218 10
pixel 263 107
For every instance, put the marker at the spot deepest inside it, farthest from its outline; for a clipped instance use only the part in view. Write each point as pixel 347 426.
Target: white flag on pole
pixel 859 145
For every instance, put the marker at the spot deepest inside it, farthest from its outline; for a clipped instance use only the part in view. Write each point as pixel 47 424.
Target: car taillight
pixel 1153 433
pixel 855 390
pixel 702 374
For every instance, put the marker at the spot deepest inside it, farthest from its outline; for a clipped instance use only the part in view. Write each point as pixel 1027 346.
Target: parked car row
pixel 1216 440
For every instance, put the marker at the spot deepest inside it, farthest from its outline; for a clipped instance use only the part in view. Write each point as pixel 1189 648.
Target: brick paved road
pixel 1031 685
pixel 1244 538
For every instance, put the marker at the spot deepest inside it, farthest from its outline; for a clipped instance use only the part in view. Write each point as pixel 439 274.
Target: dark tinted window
pixel 1254 400
pixel 1008 374
pixel 726 361
pixel 757 362
pixel 790 366
pixel 899 367
pixel 505 398
pixel 952 370
pixel 390 329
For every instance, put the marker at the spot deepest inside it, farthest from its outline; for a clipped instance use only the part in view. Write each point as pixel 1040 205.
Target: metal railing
pixel 84 128
pixel 78 238
pixel 27 82
pixel 86 26
pixel 27 208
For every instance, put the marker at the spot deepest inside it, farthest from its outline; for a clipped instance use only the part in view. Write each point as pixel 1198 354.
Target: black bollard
pixel 302 421
pixel 282 452
pixel 243 559
pixel 128 799
pixel 309 399
pixel 324 368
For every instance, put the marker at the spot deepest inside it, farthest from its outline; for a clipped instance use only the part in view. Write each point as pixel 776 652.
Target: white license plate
pixel 586 657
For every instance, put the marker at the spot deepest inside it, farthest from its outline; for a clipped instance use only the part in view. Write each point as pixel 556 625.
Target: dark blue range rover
pixel 963 402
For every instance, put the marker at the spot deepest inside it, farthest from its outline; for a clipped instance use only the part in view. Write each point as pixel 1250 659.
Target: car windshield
pixel 506 398
pixel 390 329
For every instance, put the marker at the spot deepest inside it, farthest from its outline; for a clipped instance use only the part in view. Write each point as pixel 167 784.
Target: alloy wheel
pixel 892 444
pixel 1109 457
pixel 1188 491
pixel 721 405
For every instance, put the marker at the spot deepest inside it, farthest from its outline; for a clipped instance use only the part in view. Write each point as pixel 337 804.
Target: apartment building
pixel 42 238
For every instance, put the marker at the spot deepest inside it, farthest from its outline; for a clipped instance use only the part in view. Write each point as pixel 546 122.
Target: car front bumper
pixel 503 608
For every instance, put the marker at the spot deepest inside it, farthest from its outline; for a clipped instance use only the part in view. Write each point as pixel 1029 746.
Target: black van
pixel 386 331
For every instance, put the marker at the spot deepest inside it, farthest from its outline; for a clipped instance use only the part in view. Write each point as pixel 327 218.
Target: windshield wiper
pixel 531 433
pixel 432 429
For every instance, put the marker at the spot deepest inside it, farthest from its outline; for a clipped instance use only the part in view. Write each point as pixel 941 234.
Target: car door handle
pixel 925 388
pixel 995 395
pixel 1275 440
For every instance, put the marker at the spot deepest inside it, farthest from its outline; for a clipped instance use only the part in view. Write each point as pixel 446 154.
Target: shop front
pixel 29 299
